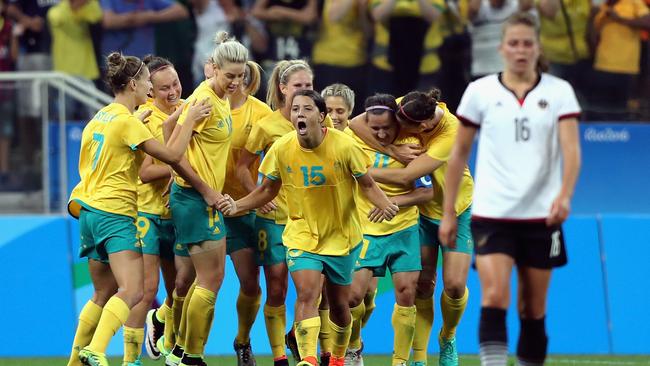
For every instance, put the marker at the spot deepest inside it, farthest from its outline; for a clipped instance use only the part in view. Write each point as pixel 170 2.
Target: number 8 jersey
pixel 109 162
pixel 518 165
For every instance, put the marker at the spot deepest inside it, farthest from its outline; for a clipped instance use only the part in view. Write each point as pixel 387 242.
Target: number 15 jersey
pixel 519 160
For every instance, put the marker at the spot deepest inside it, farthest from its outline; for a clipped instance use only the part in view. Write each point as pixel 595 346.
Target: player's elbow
pixel 425 195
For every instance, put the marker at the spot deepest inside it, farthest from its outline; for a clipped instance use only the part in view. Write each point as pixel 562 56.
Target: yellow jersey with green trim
pixel 340 43
pixel 210 144
pixel 243 119
pixel 432 40
pixel 406 217
pixel 150 195
pixel 109 162
pixel 320 185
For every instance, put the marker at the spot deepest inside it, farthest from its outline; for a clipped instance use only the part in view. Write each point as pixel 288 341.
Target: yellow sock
pixel 403 321
pixel 200 312
pixel 113 317
pixel 161 312
pixel 369 301
pixel 88 319
pixel 169 334
pixel 357 316
pixel 247 307
pixel 307 337
pixel 340 338
pixel 325 334
pixel 452 310
pixel 423 324
pixel 182 319
pixel 133 338
pixel 276 324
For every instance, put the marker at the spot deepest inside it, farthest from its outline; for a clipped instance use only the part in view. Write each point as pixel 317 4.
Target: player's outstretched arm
pixel 259 197
pixel 416 197
pixel 387 209
pixel 419 167
pixel 150 172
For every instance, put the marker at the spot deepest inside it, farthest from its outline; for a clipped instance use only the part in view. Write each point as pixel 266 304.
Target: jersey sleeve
pixel 256 142
pixel 270 164
pixel 469 110
pixel 569 107
pixel 358 160
pixel 439 148
pixel 135 133
pixel 423 182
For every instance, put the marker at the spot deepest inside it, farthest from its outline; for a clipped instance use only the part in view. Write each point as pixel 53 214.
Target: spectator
pixel 487 17
pixel 618 27
pixel 34 56
pixel 174 42
pixel 210 18
pixel 128 25
pixel 407 37
pixel 72 47
pixel 340 50
pixel 564 28
pixel 8 55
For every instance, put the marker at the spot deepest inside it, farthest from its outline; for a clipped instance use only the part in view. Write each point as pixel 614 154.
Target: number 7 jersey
pixel 109 162
pixel 519 160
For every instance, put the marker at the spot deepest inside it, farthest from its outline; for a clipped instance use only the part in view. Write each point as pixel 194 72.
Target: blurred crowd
pixel 393 46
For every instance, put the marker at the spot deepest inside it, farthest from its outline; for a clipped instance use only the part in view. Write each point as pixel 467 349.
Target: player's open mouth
pixel 302 128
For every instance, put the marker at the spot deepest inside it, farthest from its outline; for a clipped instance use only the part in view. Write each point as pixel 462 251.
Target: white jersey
pixel 518 164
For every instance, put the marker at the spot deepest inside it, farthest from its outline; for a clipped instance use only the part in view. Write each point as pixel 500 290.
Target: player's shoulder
pixel 259 105
pixel 341 137
pixel 555 83
pixel 285 140
pixel 485 83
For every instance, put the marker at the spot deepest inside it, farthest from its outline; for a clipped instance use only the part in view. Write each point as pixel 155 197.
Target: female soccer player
pixel 390 245
pixel 527 166
pixel 199 226
pixel 422 115
pixel 241 241
pixel 317 166
pixel 339 99
pixel 287 78
pixel 105 201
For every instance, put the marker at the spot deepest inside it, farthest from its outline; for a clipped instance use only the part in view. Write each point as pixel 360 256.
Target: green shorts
pixel 399 252
pixel 195 222
pixel 269 249
pixel 241 232
pixel 337 269
pixel 464 241
pixel 103 233
pixel 156 235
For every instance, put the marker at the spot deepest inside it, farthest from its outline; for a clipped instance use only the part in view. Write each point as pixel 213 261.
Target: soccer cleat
pixel 418 363
pixel 448 353
pixel 336 361
pixel 155 329
pixel 161 347
pixel 308 361
pixel 353 357
pixel 174 357
pixel 292 343
pixel 137 362
pixel 325 358
pixel 192 361
pixel 245 355
pixel 281 362
pixel 90 358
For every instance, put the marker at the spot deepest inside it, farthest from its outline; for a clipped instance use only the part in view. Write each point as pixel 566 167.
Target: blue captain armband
pixel 423 182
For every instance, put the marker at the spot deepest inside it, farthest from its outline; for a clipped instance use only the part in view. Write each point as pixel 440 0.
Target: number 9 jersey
pixel 519 160
pixel 109 162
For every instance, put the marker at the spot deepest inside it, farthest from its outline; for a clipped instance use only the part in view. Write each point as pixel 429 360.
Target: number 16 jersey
pixel 519 160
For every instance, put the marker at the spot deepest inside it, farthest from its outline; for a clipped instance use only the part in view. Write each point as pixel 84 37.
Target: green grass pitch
pixel 370 360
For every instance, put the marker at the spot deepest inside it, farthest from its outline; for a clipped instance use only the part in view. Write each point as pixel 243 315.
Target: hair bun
pixel 222 37
pixel 115 59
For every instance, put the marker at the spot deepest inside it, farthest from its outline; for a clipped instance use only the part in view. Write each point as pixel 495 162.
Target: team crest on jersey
pixel 289 171
pixel 542 103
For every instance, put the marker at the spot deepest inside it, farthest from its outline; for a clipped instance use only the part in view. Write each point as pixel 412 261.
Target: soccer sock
pixel 340 338
pixel 531 347
pixel 325 334
pixel 182 319
pixel 307 337
pixel 200 312
pixel 369 301
pixel 452 311
pixel 169 334
pixel 114 315
pixel 403 321
pixel 357 316
pixel 423 325
pixel 276 323
pixel 247 307
pixel 493 338
pixel 161 312
pixel 133 338
pixel 88 319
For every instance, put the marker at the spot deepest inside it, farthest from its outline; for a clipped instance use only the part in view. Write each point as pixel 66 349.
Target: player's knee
pixel 356 296
pixel 454 287
pixel 101 295
pixel 495 297
pixel 405 295
pixel 425 287
pixel 149 293
pixel 532 340
pixel 276 292
pixel 307 295
pixel 133 296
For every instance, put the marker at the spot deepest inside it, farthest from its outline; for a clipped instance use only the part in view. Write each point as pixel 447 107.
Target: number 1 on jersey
pixel 100 139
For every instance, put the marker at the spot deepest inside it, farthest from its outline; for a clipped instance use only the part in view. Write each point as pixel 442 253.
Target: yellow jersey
pixel 210 143
pixel 243 119
pixel 150 195
pixel 432 40
pixel 320 187
pixel 109 163
pixel 340 43
pixel 556 39
pixel 406 217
